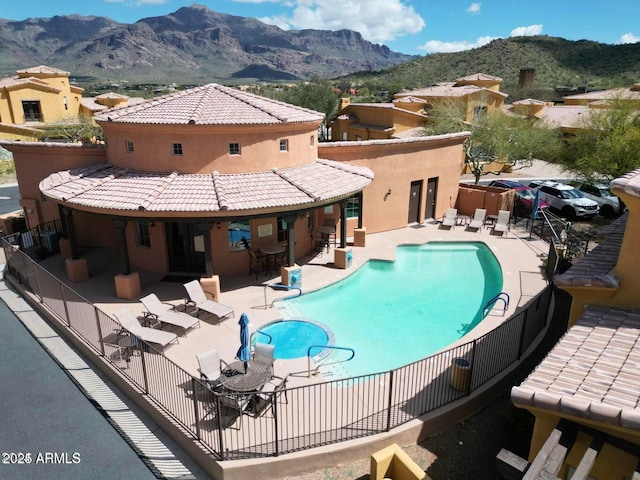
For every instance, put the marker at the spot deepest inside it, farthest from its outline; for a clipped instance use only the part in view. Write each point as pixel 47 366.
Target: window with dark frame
pixel 353 206
pixel 176 149
pixel 129 146
pixel 283 232
pixel 234 149
pixel 31 109
pixel 143 236
pixel 284 145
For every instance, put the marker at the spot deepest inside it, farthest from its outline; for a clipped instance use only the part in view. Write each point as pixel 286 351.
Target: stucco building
pixel 183 177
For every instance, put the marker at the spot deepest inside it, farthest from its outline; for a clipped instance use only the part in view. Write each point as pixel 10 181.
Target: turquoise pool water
pixel 394 313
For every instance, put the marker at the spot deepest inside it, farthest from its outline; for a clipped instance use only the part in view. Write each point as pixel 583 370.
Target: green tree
pixel 73 129
pixel 607 145
pixel 316 95
pixel 497 141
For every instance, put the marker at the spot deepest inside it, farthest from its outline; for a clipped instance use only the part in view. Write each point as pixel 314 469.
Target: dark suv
pixel 525 196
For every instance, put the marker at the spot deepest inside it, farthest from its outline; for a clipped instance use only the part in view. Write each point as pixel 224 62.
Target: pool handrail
pixel 492 301
pixel 280 286
pixel 335 347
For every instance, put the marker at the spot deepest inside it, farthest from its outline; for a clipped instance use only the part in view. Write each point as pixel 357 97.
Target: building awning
pixel 104 188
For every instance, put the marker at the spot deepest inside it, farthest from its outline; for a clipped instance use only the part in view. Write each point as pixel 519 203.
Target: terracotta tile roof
pixel 478 76
pixel 448 89
pixel 211 105
pixel 41 69
pixel 106 187
pixel 567 116
pixel 628 183
pixel 613 94
pixel 593 269
pixel 592 371
pixel 14 82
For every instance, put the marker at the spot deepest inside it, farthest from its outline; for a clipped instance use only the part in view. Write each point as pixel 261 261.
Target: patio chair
pixel 210 367
pixel 199 300
pixel 502 223
pixel 264 353
pixel 166 313
pixel 478 220
pixel 449 219
pixel 237 403
pixel 130 323
pixel 268 395
pixel 257 264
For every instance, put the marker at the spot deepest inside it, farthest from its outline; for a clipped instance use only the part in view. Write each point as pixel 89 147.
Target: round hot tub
pixel 293 338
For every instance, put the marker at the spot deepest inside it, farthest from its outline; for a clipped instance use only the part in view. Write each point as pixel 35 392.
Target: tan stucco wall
pixel 626 295
pixel 35 161
pixel 395 165
pixel 51 100
pixel 206 148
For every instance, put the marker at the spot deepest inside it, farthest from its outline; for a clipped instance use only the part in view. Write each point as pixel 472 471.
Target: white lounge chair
pixel 502 223
pixel 449 219
pixel 199 300
pixel 166 313
pixel 130 323
pixel 478 219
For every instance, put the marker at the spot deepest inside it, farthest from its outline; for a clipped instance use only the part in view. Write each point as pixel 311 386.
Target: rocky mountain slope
pixel 192 45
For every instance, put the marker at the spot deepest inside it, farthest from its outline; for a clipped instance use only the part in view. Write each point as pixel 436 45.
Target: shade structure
pixel 244 352
pixel 535 206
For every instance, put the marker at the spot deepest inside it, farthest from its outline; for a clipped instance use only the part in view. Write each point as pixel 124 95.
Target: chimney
pixel 344 102
pixel 526 77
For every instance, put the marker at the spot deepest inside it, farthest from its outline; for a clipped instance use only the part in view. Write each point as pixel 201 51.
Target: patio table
pixel 272 252
pixel 235 379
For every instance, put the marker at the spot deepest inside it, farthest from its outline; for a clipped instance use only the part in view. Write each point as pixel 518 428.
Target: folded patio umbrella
pixel 244 352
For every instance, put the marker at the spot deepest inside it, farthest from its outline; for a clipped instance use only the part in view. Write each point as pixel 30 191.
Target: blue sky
pixel 408 26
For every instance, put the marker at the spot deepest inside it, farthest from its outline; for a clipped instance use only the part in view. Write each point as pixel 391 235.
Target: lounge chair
pixel 210 367
pixel 478 220
pixel 502 223
pixel 166 313
pixel 449 219
pixel 199 300
pixel 264 353
pixel 130 323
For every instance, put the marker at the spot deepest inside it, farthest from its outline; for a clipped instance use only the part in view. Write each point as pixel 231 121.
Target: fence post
pixel 99 326
pixel 64 303
pixel 276 423
pixel 472 362
pixel 142 346
pixel 523 328
pixel 195 406
pixel 389 400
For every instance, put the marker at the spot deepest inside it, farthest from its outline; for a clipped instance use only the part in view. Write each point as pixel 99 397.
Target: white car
pixel 567 200
pixel 610 205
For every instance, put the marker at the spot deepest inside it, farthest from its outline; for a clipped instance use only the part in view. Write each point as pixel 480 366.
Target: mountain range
pixel 192 45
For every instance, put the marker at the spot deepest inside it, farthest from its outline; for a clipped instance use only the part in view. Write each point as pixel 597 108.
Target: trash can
pixel 460 374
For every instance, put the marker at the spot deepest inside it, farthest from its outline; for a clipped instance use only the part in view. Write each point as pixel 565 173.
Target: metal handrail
pixel 253 334
pixel 280 286
pixel 353 354
pixel 492 301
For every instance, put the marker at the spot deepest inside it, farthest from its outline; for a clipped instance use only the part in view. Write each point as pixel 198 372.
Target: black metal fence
pixel 301 417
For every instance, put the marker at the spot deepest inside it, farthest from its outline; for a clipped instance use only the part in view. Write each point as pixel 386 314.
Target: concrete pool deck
pixel 520 256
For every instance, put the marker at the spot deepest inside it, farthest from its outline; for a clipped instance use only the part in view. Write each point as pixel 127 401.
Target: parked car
pixel 525 196
pixel 610 205
pixel 567 200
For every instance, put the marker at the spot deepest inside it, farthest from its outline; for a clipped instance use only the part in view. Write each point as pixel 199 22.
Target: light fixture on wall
pixel 389 192
pixel 29 210
pixel 219 225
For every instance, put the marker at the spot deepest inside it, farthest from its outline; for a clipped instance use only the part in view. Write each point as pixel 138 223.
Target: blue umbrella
pixel 536 206
pixel 244 352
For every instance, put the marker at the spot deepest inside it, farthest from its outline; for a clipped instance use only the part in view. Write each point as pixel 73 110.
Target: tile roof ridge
pixel 85 171
pixel 347 168
pixel 241 97
pixel 158 190
pixel 285 176
pixel 202 105
pixel 216 179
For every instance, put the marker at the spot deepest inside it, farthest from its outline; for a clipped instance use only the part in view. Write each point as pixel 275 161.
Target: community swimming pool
pixel 394 313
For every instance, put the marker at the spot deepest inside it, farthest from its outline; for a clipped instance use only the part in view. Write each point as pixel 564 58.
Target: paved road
pixel 62 419
pixel 9 198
